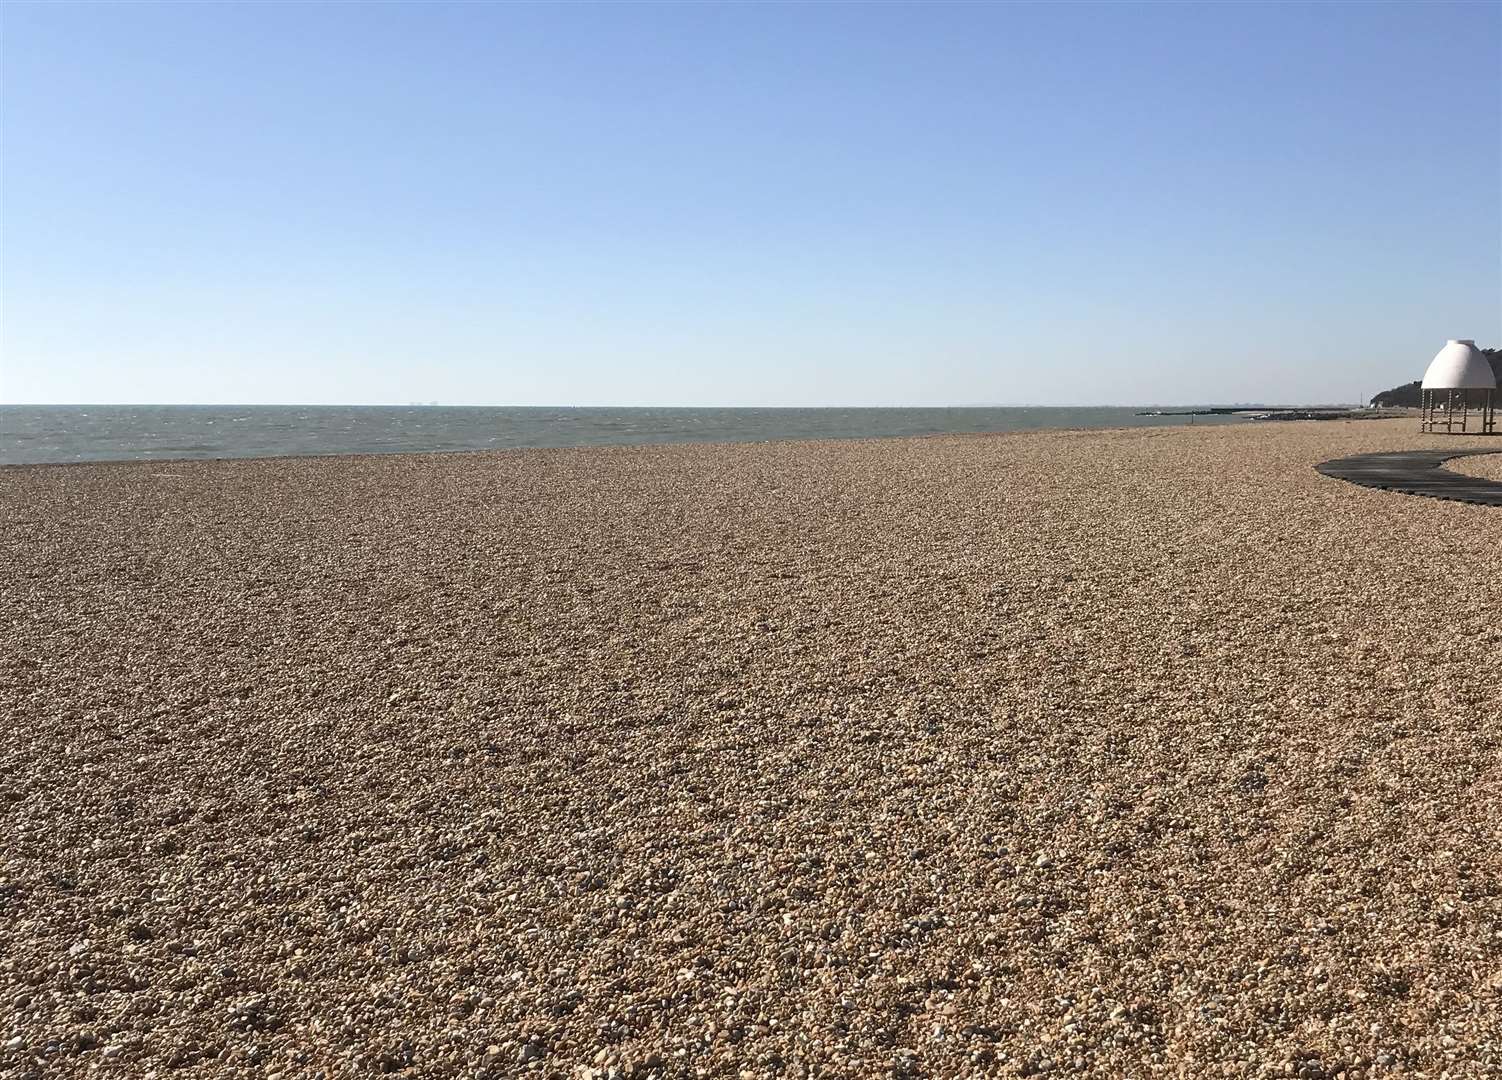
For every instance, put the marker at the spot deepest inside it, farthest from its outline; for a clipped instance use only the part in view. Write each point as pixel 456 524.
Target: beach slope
pixel 1118 752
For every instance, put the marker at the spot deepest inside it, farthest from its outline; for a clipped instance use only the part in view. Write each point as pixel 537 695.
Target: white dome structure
pixel 1459 380
pixel 1459 366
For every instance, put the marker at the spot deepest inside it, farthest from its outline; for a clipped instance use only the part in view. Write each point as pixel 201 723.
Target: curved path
pixel 1417 472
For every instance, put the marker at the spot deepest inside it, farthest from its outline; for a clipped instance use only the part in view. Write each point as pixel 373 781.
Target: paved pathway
pixel 1417 472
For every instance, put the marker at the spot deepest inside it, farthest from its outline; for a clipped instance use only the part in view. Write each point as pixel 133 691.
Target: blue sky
pixel 745 204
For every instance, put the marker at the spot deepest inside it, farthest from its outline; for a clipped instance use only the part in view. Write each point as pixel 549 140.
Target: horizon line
pixel 457 405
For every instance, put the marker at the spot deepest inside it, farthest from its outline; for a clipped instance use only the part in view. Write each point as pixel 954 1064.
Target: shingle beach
pixel 1122 753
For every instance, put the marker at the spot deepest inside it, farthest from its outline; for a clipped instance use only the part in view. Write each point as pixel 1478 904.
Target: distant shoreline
pixel 1285 412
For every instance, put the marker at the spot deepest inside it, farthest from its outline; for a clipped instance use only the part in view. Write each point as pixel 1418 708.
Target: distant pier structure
pixel 1459 393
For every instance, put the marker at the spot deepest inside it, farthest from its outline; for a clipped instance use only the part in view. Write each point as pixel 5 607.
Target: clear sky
pixel 768 204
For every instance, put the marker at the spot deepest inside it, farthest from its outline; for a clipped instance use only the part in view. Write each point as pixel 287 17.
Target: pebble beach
pixel 1117 753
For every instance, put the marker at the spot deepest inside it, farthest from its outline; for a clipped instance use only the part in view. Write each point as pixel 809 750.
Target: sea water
pixel 60 433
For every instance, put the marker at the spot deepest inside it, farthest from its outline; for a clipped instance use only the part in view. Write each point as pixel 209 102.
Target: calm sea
pixel 49 433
